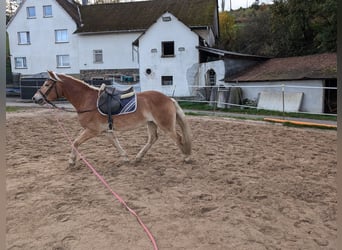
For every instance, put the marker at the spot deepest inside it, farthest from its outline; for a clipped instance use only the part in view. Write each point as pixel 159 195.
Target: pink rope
pixel 107 186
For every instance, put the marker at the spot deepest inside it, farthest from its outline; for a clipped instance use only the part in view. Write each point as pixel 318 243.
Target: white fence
pixel 284 98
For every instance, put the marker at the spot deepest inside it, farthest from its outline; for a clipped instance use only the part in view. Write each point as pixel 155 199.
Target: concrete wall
pixel 312 101
pixel 219 68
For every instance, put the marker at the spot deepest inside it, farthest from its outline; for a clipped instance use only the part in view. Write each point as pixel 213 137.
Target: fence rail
pixel 219 96
pixel 307 98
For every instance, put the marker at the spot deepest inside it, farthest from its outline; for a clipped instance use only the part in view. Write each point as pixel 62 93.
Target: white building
pixel 151 41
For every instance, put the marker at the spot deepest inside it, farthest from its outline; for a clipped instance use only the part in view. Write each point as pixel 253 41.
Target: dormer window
pixel 47 11
pixel 31 12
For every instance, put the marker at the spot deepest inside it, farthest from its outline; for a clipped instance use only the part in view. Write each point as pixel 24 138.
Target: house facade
pixel 166 57
pixel 151 42
pixel 41 37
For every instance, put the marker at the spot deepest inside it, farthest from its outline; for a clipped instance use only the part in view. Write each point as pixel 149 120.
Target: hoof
pixel 72 164
pixel 123 162
pixel 137 161
pixel 187 160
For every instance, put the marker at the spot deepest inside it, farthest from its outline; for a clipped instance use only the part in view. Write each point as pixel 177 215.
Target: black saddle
pixel 110 99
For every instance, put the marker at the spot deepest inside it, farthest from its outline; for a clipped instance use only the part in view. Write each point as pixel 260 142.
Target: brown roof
pixel 71 7
pixel 141 15
pixel 320 66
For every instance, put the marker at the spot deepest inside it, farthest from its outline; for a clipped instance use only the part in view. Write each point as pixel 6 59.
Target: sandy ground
pixel 251 185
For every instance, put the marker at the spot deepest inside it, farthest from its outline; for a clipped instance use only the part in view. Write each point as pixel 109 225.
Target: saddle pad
pixel 127 105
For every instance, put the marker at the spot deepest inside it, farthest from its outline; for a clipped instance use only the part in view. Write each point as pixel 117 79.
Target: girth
pixel 110 101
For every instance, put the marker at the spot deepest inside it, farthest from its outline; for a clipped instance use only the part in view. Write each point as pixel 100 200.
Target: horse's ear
pixel 54 76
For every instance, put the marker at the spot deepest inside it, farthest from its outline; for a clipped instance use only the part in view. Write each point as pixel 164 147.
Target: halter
pixel 47 92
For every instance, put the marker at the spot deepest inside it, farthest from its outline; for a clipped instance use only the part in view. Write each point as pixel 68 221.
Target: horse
pixel 154 109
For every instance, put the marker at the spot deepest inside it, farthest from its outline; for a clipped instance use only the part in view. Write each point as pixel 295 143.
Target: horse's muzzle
pixel 37 98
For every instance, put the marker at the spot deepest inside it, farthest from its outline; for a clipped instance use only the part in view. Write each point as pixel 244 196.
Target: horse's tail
pixel 186 133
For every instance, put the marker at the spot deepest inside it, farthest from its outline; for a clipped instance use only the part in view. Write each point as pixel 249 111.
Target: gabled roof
pixel 319 66
pixel 139 16
pixel 72 8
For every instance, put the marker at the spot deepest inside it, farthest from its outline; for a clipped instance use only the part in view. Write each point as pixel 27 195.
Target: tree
pixel 11 7
pixel 227 29
pixel 252 33
pixel 285 28
pixel 303 27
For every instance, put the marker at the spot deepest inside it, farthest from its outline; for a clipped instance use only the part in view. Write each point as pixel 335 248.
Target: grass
pixel 253 111
pixel 12 109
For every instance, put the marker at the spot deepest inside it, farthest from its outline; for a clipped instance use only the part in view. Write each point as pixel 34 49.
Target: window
pixel 24 37
pixel 31 12
pixel 166 80
pixel 61 36
pixel 168 49
pixel 20 62
pixel 166 18
pixel 63 61
pixel 47 11
pixel 98 56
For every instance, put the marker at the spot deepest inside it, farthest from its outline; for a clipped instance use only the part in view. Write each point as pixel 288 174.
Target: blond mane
pixel 77 80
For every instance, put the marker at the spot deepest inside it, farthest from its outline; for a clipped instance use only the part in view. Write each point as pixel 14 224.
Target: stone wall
pixel 106 73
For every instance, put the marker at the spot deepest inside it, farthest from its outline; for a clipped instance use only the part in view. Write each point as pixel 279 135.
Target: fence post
pixel 283 97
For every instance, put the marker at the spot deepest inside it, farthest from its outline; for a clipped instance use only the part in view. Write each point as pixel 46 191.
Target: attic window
pixel 166 18
pixel 47 11
pixel 168 49
pixel 31 12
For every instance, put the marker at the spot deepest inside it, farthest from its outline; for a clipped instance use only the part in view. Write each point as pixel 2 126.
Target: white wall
pixel 116 48
pixel 41 53
pixel 177 66
pixel 313 98
pixel 217 66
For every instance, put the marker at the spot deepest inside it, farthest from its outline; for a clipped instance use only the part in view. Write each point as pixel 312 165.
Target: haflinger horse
pixel 154 109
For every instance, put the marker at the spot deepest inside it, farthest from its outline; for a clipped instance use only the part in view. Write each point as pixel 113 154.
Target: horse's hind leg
pixel 114 140
pixel 85 135
pixel 152 138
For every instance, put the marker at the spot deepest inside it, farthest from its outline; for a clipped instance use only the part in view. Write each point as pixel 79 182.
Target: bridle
pixel 54 86
pixel 47 92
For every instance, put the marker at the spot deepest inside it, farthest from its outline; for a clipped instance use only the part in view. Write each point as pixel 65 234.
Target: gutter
pixel 109 32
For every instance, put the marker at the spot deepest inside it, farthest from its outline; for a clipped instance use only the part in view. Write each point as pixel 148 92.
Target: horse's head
pixel 49 91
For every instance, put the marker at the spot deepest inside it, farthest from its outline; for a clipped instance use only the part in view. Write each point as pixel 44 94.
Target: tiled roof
pixel 319 66
pixel 130 16
pixel 71 7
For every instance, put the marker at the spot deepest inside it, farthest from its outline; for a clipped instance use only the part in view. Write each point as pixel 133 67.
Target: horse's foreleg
pixel 83 136
pixel 114 140
pixel 152 138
